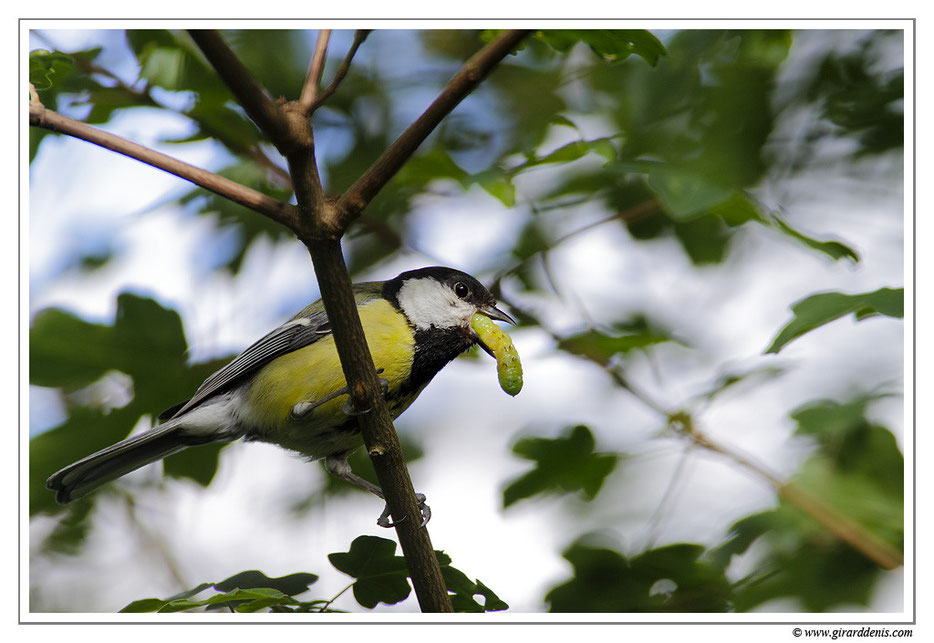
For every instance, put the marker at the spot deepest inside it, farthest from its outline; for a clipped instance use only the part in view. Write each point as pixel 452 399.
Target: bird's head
pixel 443 298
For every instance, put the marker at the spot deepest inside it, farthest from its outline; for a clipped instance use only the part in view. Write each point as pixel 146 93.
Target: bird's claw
pixel 350 411
pixel 383 520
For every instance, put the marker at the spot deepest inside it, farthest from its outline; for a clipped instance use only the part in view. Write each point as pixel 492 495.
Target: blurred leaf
pixel 684 194
pixel 218 121
pixel 71 529
pixel 169 59
pixel 562 465
pixel 801 561
pixel 499 186
pixel 859 471
pixel 529 98
pixel 834 249
pixel 199 464
pixel 859 99
pixel 728 380
pixel 634 334
pixel 740 209
pixel 279 57
pixel 611 45
pixel 146 342
pixel 65 351
pixel 854 444
pixel 823 308
pixel 245 222
pixel 704 239
pixel 666 579
pixel 382 577
pixel 575 150
pixel 84 432
pixel 47 67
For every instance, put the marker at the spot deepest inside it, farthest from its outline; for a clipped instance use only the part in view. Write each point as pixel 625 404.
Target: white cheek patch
pixel 427 303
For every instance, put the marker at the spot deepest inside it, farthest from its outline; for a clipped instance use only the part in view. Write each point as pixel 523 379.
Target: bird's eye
pixel 461 289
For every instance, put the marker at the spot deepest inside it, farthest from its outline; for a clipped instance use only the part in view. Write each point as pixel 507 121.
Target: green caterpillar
pixel 508 366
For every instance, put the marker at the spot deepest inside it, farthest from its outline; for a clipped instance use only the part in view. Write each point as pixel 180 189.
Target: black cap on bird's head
pixel 441 297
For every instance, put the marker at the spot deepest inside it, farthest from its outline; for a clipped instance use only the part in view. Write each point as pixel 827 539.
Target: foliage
pixel 146 342
pixel 565 464
pixel 823 308
pixel 379 577
pixel 670 139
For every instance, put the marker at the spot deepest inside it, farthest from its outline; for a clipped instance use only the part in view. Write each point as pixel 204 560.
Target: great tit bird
pixel 288 388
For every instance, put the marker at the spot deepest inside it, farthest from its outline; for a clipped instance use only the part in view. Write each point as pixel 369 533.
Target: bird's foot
pixel 383 520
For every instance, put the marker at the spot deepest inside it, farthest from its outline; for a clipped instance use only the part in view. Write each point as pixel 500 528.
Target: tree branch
pixel 352 202
pixel 379 435
pixel 837 523
pixel 358 38
pixel 315 70
pixel 283 213
pixel 249 93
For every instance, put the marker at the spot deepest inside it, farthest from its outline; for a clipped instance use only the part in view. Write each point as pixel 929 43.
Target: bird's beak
pixel 495 313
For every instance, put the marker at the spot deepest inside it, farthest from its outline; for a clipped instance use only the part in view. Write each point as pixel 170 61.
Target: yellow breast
pixel 312 373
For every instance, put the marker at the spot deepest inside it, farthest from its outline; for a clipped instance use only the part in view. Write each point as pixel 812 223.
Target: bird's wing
pixel 292 335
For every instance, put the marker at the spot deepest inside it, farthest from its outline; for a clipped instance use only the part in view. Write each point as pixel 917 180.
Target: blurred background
pixel 649 205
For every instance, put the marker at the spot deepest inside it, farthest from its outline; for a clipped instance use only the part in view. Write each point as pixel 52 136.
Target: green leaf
pixel 198 464
pixel 833 249
pixel 463 591
pixel 823 308
pixel 797 560
pixel 291 584
pixel 47 67
pixel 667 579
pixel 854 444
pixel 84 432
pixel 381 575
pixel 685 194
pixel 66 351
pixel 610 45
pixel 858 470
pixel 635 334
pixel 563 465
pixel 572 151
pixel 498 185
pixel 247 592
pixel 705 239
pixel 170 60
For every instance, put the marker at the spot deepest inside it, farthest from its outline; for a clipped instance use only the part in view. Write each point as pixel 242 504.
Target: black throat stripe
pixel 434 348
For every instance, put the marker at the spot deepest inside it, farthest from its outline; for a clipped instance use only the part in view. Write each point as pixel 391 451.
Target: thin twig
pixel 278 211
pixel 837 523
pixel 385 167
pixel 144 96
pixel 249 93
pixel 155 540
pixel 315 71
pixel 358 38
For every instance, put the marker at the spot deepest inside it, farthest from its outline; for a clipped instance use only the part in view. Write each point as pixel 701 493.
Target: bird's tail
pixel 84 476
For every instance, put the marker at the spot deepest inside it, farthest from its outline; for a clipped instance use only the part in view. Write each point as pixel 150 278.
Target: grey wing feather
pixel 294 334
